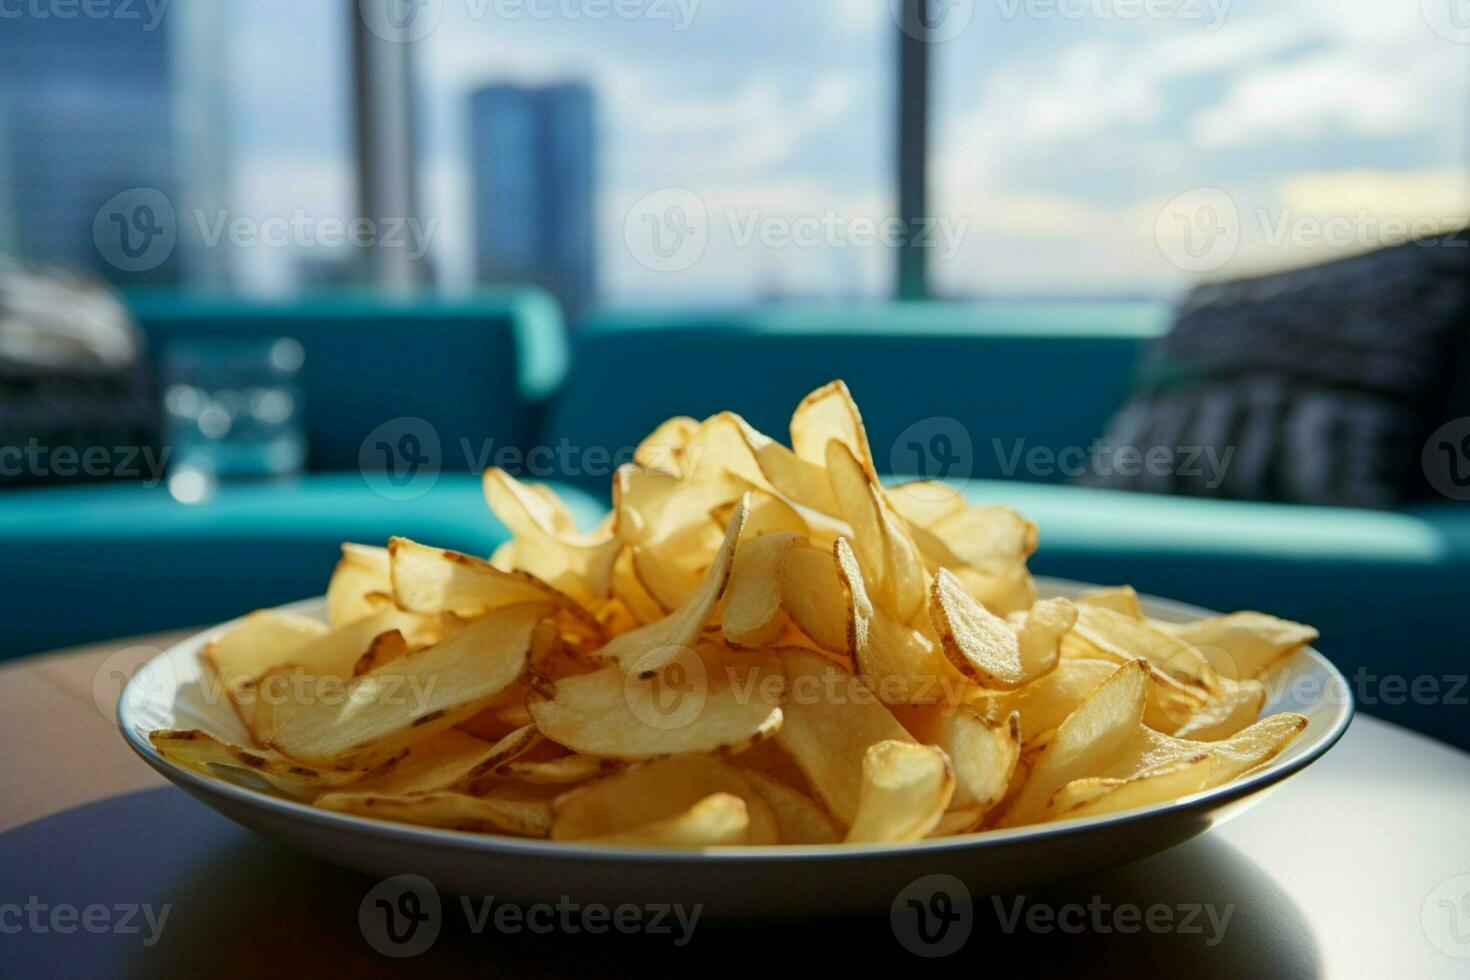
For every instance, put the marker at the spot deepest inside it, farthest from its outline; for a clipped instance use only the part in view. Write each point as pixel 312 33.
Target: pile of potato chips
pixel 759 645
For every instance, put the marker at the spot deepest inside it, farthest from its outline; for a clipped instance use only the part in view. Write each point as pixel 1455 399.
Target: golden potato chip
pixel 814 597
pixel 658 791
pixel 452 811
pixel 985 647
pixel 905 790
pixel 414 696
pixel 362 571
pixel 1242 645
pixel 200 750
pixel 1237 706
pixel 1086 743
pixel 446 760
pixel 903 665
pixel 257 643
pixel 830 415
pixel 577 565
pixel 831 717
pixel 648 648
pixel 892 568
pixel 753 615
pixel 1120 599
pixel 663 448
pixel 720 819
pixel 800 819
pixel 436 580
pixel 692 703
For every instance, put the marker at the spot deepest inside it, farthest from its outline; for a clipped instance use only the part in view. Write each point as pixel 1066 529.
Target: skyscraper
pixel 533 160
pixel 85 109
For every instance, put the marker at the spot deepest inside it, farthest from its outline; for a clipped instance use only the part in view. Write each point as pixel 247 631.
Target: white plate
pixel 761 882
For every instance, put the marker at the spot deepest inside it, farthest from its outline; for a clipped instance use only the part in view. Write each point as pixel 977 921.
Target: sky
pixel 1078 147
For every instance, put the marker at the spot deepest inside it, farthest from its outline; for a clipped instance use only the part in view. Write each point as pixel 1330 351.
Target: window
pixel 1097 153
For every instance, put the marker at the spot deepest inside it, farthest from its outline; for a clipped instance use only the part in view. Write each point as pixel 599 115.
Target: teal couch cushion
pixel 105 561
pixel 1386 588
pixel 475 368
pixel 1011 376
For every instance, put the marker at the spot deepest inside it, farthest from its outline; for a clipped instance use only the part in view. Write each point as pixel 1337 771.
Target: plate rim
pixel 1272 774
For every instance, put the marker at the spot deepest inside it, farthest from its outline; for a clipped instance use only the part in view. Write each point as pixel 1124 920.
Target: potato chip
pixel 451 811
pixel 720 819
pixel 416 695
pixel 362 572
pixel 1087 742
pixel 663 448
pixel 446 760
pixel 578 565
pixel 753 615
pixel 258 642
pixel 903 665
pixel 1237 706
pixel 813 595
pixel 799 818
pixel 905 790
pixel 649 794
pixel 830 415
pixel 982 753
pixel 1242 645
pixel 831 718
pixel 648 648
pixel 985 647
pixel 200 750
pixel 688 704
pixel 1115 636
pixel 1120 599
pixel 892 568
pixel 436 580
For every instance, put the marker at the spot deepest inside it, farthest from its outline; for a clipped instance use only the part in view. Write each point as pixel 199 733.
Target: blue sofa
pixel 92 562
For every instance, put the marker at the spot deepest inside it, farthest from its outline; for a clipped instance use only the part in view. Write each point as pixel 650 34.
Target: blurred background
pixel 1183 280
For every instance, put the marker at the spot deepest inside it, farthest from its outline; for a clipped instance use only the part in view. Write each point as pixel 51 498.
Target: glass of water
pixel 232 411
